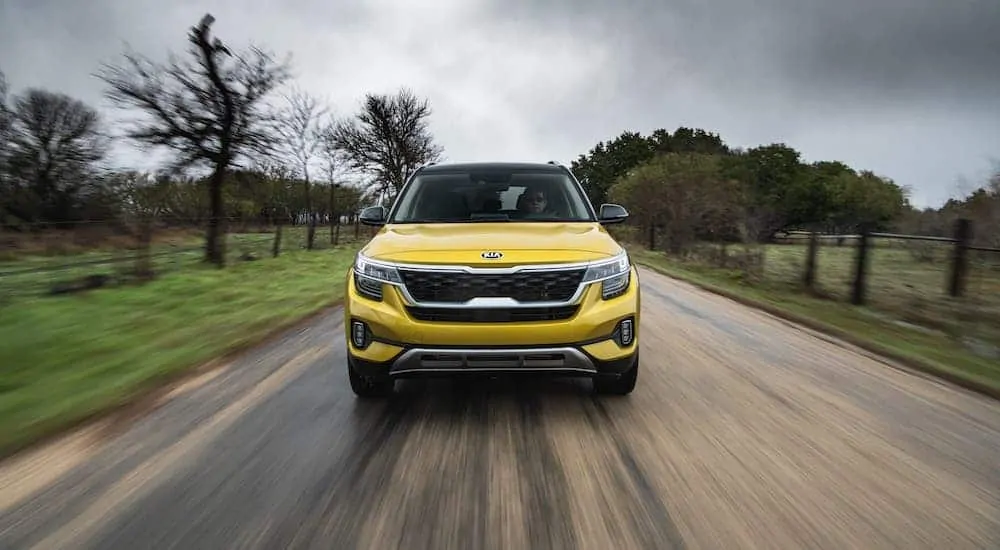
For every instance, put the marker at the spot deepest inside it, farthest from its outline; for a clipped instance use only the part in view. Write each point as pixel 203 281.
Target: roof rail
pixel 554 163
pixel 424 165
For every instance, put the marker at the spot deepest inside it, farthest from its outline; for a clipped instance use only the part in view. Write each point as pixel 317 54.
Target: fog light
pixel 626 333
pixel 359 334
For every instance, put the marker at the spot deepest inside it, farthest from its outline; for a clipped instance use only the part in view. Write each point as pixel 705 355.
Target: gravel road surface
pixel 744 432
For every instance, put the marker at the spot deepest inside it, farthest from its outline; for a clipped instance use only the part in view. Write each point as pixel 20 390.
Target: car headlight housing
pixel 370 275
pixel 614 275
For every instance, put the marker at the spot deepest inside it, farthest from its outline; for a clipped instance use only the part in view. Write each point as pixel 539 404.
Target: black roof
pixel 475 166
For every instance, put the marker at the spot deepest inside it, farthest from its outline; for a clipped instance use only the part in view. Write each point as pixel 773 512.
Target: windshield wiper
pixel 433 220
pixel 489 218
pixel 474 218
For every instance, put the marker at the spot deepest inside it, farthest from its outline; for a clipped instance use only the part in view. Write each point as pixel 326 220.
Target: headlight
pixel 615 286
pixel 614 275
pixel 385 273
pixel 607 268
pixel 369 276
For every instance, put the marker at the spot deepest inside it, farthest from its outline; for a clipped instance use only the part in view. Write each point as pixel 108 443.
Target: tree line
pixel 247 146
pixel 244 144
pixel 693 187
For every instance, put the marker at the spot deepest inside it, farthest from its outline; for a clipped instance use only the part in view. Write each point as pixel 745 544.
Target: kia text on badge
pixel 492 255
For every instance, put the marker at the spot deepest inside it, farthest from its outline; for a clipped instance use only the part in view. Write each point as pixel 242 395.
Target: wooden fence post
pixel 276 247
pixel 809 278
pixel 334 216
pixel 960 258
pixel 861 267
pixel 652 236
pixel 144 263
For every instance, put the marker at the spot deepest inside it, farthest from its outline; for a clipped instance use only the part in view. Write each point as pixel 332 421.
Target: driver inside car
pixel 533 202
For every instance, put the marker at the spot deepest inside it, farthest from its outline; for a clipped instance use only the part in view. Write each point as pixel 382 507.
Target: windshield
pixel 492 195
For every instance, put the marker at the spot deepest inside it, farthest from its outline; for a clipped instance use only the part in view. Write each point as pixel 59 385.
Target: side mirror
pixel 612 213
pixel 373 215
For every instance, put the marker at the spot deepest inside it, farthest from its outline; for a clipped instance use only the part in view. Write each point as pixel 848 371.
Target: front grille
pixel 537 286
pixel 492 315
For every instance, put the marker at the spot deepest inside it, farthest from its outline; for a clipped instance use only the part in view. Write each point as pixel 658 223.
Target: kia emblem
pixel 492 255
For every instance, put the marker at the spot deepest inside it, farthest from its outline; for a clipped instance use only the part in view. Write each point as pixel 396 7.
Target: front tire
pixel 368 386
pixel 622 384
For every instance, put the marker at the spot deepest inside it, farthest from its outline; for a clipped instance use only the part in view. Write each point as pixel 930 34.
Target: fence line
pixel 957 280
pixel 938 282
pixel 136 252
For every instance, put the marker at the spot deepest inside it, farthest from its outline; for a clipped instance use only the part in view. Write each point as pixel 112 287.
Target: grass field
pixel 899 288
pixel 68 357
pixel 907 280
pixel 34 271
pixel 906 283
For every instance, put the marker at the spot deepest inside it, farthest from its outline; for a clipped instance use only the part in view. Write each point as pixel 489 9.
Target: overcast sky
pixel 907 88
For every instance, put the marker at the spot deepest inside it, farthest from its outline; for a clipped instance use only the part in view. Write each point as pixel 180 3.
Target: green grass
pixel 67 358
pixel 34 274
pixel 879 331
pixel 906 281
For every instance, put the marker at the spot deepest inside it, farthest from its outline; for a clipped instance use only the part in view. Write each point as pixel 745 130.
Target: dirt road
pixel 744 432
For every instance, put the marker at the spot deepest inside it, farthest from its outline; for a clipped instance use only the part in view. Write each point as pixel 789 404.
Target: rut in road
pixel 474 465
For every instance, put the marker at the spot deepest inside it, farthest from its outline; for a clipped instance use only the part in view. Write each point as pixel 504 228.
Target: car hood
pixel 465 243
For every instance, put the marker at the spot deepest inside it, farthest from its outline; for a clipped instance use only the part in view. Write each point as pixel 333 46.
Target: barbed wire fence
pixel 68 257
pixel 948 284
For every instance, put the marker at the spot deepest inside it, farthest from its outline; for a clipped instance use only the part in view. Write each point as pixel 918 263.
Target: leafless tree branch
pixel 388 139
pixel 209 109
pixel 301 136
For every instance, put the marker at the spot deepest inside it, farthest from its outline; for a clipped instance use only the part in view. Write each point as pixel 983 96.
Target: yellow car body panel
pixel 429 298
pixel 389 322
pixel 607 350
pixel 521 244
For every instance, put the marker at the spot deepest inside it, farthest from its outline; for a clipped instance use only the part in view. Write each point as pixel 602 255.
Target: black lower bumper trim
pixel 616 366
pixel 596 367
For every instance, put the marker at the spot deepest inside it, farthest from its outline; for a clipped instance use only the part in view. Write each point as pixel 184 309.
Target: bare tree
pixel 334 162
pixel 6 192
pixel 389 139
pixel 53 144
pixel 301 131
pixel 5 118
pixel 209 111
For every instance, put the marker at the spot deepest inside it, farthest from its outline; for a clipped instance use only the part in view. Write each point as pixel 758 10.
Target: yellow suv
pixel 492 268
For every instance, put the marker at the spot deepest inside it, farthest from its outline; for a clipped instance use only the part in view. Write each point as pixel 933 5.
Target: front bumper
pixel 584 345
pixel 423 361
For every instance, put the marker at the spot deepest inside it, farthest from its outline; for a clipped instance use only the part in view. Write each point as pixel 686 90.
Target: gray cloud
pixel 908 88
pixel 903 48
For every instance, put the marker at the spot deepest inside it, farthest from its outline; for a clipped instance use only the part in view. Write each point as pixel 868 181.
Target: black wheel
pixel 618 385
pixel 368 386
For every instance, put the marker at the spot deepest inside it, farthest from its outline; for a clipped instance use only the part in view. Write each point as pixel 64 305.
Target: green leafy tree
pixel 685 194
pixel 865 199
pixel 603 165
pixel 771 173
pixel 689 140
